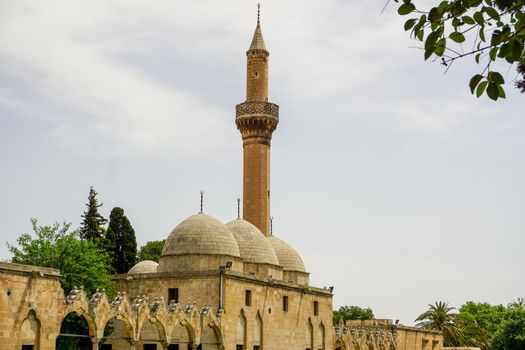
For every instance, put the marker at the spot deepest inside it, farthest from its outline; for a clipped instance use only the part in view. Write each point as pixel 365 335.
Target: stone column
pixel 134 345
pixel 95 341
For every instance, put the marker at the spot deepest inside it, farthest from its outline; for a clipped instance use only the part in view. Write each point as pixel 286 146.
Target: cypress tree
pixel 92 226
pixel 125 248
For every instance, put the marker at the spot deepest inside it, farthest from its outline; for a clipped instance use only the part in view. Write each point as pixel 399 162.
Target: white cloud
pixel 72 67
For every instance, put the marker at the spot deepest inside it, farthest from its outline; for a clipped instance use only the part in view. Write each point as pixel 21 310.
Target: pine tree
pixel 125 248
pixel 109 247
pixel 92 226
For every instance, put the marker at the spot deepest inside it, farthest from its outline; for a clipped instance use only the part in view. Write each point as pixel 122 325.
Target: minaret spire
pixel 258 41
pixel 256 119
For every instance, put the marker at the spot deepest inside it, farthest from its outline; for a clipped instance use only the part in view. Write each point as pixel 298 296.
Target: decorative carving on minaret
pixel 256 119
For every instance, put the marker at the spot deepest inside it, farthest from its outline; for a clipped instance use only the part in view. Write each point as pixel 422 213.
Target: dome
pixel 289 259
pixel 145 266
pixel 253 245
pixel 201 234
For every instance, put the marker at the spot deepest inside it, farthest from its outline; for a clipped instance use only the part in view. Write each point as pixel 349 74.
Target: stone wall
pixel 384 335
pixel 31 306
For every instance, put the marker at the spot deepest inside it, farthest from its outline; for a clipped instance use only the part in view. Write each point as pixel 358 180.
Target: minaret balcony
pixel 266 109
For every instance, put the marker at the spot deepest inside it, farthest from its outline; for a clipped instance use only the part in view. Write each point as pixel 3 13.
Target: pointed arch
pixel 150 333
pixel 340 345
pixel 309 335
pixel 76 330
pixel 181 335
pixel 118 332
pixel 258 332
pixel 241 331
pixel 210 339
pixel 29 333
pixel 321 337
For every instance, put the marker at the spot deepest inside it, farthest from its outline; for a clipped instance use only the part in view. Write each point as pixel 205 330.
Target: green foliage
pixel 492 30
pixel 151 250
pixel 121 237
pixel 479 322
pixel 81 262
pixel 489 327
pixel 73 324
pixel 439 317
pixel 352 313
pixel 92 226
pixel 510 335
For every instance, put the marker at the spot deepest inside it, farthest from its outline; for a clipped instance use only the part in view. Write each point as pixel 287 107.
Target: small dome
pixel 145 266
pixel 253 245
pixel 289 259
pixel 201 234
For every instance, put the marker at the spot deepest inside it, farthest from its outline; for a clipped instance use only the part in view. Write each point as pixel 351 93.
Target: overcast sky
pixel 394 184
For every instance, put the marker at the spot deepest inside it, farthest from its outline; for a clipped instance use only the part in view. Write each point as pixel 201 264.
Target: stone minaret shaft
pixel 256 119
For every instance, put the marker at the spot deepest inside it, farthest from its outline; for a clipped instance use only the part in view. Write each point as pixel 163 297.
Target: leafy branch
pixel 499 27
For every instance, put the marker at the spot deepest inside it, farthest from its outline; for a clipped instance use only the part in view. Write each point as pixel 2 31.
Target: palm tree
pixel 439 317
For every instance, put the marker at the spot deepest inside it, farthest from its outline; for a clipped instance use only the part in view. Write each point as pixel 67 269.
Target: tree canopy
pixel 479 322
pixel 489 327
pixel 81 262
pixel 151 250
pixel 490 31
pixel 510 334
pixel 92 225
pixel 352 312
pixel 123 244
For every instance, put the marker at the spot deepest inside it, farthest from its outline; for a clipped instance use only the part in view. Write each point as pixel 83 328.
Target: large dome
pixel 201 234
pixel 145 266
pixel 289 259
pixel 253 245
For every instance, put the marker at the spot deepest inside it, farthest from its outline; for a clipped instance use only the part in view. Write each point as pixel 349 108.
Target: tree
pixel 352 313
pixel 125 243
pixel 81 262
pixel 151 250
pixel 92 225
pixel 439 317
pixel 488 30
pixel 511 332
pixel 479 322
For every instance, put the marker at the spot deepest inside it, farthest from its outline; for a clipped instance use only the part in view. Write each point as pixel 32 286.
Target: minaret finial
pixel 202 200
pixel 238 208
pixel 258 12
pixel 271 225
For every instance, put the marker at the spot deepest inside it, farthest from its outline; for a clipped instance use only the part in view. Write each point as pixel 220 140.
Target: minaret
pixel 256 119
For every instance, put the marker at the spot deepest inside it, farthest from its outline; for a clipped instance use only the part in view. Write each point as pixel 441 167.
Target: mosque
pixel 216 286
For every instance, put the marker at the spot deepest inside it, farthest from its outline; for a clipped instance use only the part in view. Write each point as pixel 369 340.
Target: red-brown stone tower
pixel 256 119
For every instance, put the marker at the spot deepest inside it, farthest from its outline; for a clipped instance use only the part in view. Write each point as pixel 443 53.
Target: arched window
pixel 258 332
pixel 30 331
pixel 309 339
pixel 241 332
pixel 320 337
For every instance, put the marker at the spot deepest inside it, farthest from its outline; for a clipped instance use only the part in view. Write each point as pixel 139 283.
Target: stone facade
pixel 31 306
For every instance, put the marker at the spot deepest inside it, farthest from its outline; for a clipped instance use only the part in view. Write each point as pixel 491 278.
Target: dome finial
pixel 202 200
pixel 258 12
pixel 271 225
pixel 238 208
